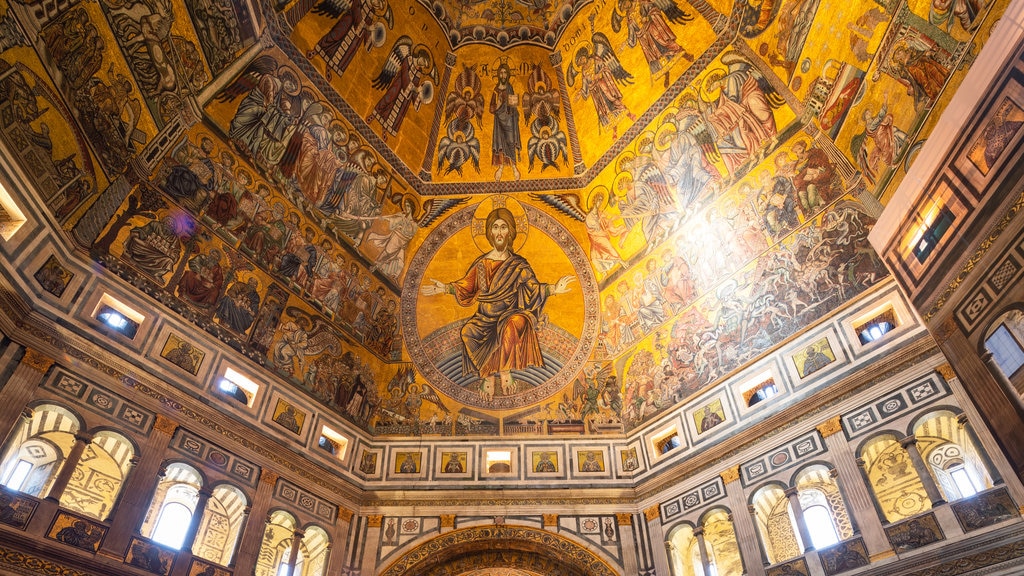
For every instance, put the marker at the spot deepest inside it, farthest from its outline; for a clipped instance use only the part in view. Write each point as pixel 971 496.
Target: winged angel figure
pixel 647 23
pixel 601 228
pixel 402 227
pixel 300 338
pixel 407 78
pixel 598 69
pixel 464 103
pixel 360 22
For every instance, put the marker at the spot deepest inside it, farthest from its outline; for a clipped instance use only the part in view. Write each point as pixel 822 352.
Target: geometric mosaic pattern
pixel 696 498
pixel 918 393
pixel 782 458
pixel 194 447
pixel 288 492
pixel 99 400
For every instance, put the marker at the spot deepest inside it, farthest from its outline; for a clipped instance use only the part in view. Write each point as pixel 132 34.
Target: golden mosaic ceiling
pixel 507 216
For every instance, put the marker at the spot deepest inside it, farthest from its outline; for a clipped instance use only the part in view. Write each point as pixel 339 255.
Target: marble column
pixel 705 563
pixel 997 373
pixel 67 468
pixel 255 524
pixel 21 387
pixel 743 524
pixel 629 542
pixel 655 533
pixel 856 494
pixel 293 552
pixel 798 514
pixel 339 541
pixel 138 491
pixel 371 544
pixel 930 488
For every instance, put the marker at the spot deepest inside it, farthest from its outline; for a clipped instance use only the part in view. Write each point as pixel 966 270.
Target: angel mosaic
pixel 647 24
pixel 600 73
pixel 359 23
pixel 602 228
pixel 407 79
pixel 397 230
pixel 541 108
pixel 463 106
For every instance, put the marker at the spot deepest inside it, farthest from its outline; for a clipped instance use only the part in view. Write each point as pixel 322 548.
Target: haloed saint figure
pixel 502 335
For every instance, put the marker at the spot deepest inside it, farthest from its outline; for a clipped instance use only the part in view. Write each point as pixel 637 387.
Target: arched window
pixel 1003 340
pixel 720 541
pixel 824 511
pixel 774 522
pixel 168 530
pixel 956 464
pixel 897 488
pixel 680 542
pixel 37 448
pixel 221 525
pixel 277 542
pixel 100 475
pixel 174 503
pixel 316 545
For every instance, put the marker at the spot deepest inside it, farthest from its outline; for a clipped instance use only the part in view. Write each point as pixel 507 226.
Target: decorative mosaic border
pixel 784 457
pixel 100 400
pixel 184 442
pixel 699 497
pixel 918 393
pixel 287 492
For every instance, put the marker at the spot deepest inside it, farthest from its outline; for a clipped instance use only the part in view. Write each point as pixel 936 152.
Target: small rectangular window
pixel 11 217
pixel 18 476
pixel 1005 349
pixel 238 387
pixel 876 327
pixel 118 316
pixel 498 461
pixel 668 442
pixel 929 237
pixel 333 442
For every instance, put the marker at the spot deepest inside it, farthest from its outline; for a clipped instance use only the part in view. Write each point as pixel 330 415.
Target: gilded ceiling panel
pixel 687 191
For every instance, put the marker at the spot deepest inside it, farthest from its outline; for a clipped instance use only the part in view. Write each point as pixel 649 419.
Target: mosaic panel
pixel 985 509
pixel 844 556
pixel 1006 272
pixel 150 557
pixel 914 533
pixel 796 567
pixel 53 277
pixel 16 509
pixel 76 531
pixel 697 498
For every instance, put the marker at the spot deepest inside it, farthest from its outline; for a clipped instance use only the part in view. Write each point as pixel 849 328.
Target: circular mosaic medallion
pixel 500 306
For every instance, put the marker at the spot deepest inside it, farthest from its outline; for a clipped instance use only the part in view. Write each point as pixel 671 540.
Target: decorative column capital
pixel 946 371
pixel 962 420
pixel 830 426
pixel 374 520
pixel 652 512
pixel 791 491
pixel 345 514
pixel 268 477
pixel 447 520
pixel 550 520
pixel 83 437
pixel 698 531
pixel 908 441
pixel 730 475
pixel 36 360
pixel 624 518
pixel 27 413
pixel 165 425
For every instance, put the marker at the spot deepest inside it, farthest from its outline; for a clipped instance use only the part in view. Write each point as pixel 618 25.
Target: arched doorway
pixel 484 549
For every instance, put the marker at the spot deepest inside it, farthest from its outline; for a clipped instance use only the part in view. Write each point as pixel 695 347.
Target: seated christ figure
pixel 501 336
